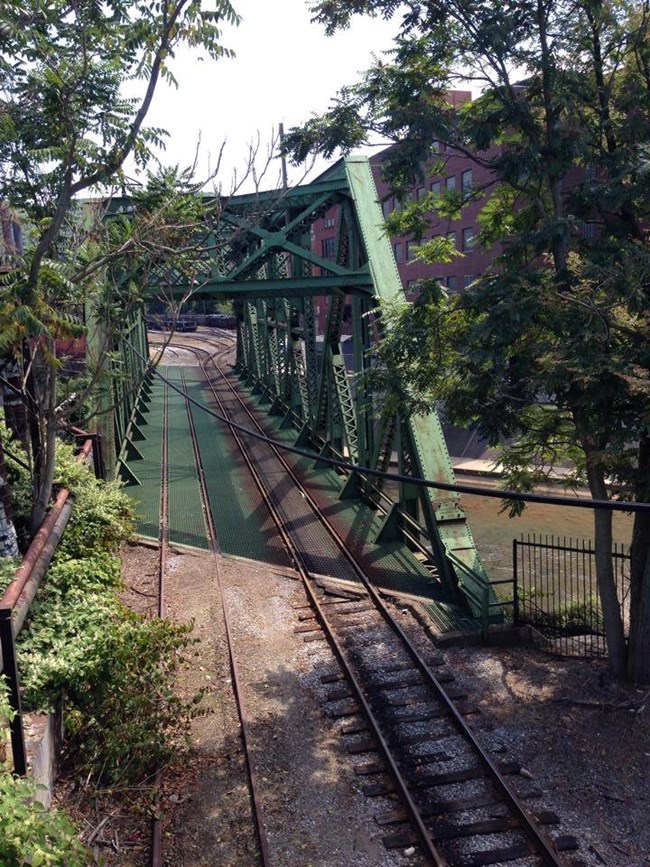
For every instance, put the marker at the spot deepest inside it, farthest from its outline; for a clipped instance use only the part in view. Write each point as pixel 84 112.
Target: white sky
pixel 285 70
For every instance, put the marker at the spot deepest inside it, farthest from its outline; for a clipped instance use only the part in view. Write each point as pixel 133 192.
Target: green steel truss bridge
pixel 264 259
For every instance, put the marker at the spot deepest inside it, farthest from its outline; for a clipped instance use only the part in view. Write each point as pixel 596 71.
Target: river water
pixel 494 531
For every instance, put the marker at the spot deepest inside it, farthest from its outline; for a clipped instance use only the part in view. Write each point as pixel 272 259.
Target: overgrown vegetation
pixel 115 669
pixel 18 480
pixel 30 834
pixel 571 616
pixel 547 350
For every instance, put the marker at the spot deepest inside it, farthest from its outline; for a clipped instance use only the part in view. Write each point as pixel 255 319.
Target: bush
pixel 115 668
pixel 30 834
pixel 133 720
pixel 19 482
pixel 103 513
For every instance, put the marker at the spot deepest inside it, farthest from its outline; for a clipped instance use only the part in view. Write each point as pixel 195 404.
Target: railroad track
pixel 254 785
pixel 163 545
pixel 456 802
pixel 157 848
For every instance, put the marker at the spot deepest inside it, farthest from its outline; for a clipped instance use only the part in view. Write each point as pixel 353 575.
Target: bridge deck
pixel 243 525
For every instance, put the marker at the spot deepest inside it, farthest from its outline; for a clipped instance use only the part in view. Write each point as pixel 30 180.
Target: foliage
pixel 115 668
pixel 133 719
pixel 103 513
pixel 30 834
pixel 18 480
pixel 575 616
pixel 8 566
pixel 549 348
pixel 66 128
pixel 62 646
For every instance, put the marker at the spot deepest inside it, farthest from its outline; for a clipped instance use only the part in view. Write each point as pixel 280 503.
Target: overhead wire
pixel 501 494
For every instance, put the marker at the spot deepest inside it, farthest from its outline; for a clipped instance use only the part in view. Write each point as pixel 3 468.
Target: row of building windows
pixel 434 187
pixel 452 283
pixel 405 252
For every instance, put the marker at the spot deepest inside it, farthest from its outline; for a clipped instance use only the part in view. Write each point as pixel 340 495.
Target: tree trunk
pixel 48 428
pixel 638 662
pixel 13 401
pixel 613 620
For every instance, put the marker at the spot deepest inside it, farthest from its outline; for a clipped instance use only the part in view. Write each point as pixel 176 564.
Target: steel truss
pixel 262 256
pixel 119 355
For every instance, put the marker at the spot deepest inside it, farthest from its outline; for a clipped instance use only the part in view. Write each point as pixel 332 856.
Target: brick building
pixel 460 173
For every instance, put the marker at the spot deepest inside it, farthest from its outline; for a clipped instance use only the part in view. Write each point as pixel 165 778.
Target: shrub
pixel 115 668
pixel 133 720
pixel 30 834
pixel 19 483
pixel 103 513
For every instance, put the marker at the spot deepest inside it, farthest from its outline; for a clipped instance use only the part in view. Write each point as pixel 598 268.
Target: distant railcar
pixel 221 320
pixel 167 323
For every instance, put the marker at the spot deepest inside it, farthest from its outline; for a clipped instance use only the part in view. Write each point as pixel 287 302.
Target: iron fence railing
pixel 556 591
pixel 15 603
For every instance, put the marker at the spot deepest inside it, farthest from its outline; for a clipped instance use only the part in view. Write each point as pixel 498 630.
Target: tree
pixel 550 347
pixel 66 128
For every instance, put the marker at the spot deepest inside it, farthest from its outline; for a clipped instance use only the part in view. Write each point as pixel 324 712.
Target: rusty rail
pixel 163 541
pixel 17 599
pixel 542 846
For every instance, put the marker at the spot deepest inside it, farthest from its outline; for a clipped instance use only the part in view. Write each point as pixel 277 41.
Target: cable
pixel 548 499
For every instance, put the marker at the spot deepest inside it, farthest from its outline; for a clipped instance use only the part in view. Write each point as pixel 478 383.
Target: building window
pixel 452 282
pixel 422 191
pixel 589 231
pixel 451 236
pixel 398 249
pixel 466 182
pixel 450 183
pixel 329 248
pixel 410 250
pixel 468 238
pixel 468 280
pixel 435 188
pixel 329 222
pixel 387 206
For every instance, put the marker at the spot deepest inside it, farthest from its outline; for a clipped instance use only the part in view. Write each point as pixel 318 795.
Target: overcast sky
pixel 285 69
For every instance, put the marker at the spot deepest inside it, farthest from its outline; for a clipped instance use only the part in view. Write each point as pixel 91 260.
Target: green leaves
pixel 30 834
pixel 116 669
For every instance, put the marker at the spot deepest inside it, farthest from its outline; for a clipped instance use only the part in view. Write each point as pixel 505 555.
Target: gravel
pixel 583 741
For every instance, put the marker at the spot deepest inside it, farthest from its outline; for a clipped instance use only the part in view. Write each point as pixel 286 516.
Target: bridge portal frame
pixel 263 258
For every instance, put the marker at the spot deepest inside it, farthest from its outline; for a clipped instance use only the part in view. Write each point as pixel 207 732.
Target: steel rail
pixel 296 556
pixel 258 812
pixel 538 839
pixel 500 494
pixel 163 544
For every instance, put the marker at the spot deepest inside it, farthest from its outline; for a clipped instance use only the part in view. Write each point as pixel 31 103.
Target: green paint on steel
pixel 147 494
pixel 446 520
pixel 270 261
pixel 185 519
pixel 392 566
pixel 244 527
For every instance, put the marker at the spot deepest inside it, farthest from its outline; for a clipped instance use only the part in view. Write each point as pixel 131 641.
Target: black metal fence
pixel 557 593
